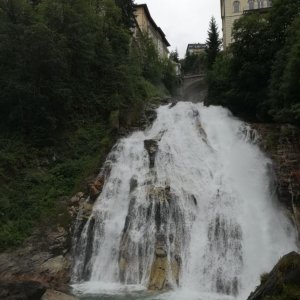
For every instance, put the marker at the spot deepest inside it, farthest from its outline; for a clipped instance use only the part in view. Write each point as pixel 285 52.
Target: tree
pixel 213 42
pixel 127 8
pixel 282 15
pixel 174 56
pixel 285 81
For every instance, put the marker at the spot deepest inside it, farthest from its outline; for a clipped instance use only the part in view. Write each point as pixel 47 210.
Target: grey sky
pixel 184 21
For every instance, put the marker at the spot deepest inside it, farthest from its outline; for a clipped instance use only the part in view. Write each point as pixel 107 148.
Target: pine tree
pixel 127 7
pixel 213 42
pixel 174 56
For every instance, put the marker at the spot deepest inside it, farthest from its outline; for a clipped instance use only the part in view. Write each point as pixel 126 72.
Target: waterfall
pixel 188 206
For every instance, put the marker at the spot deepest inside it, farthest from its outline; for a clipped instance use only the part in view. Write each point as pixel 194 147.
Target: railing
pixel 258 5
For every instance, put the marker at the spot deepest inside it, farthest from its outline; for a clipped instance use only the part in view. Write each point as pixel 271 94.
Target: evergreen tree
pixel 213 42
pixel 174 56
pixel 127 8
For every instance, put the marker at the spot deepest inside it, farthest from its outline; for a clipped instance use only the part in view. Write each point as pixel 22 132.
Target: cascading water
pixel 189 206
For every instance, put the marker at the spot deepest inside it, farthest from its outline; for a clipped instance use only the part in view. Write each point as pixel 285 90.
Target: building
pixel 232 10
pixel 195 48
pixel 147 25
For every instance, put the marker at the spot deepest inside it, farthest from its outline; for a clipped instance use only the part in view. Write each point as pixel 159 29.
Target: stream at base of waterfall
pixel 188 207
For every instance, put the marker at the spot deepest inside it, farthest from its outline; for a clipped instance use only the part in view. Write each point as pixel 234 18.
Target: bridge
pixel 194 88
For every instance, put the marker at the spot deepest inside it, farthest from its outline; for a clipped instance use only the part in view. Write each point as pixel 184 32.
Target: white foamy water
pixel 222 220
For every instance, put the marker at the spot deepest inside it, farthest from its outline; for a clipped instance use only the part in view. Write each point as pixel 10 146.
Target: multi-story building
pixel 147 25
pixel 195 48
pixel 232 10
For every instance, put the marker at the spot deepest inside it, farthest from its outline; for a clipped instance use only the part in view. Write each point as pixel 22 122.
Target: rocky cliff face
pixel 43 258
pixel 282 144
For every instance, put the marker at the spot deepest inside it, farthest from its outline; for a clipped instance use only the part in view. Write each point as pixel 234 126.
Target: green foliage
pixel 282 15
pixel 260 76
pixel 35 183
pixel 264 277
pixel 213 42
pixel 174 56
pixel 155 69
pixel 66 59
pixel 70 73
pixel 218 78
pixel 194 63
pixel 289 292
pixel 285 79
pixel 127 7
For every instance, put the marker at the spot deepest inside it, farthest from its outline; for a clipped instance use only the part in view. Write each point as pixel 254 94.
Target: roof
pixel 158 29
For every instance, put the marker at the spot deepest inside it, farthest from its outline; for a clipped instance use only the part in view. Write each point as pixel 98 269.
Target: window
pixel 251 4
pixel 236 6
pixel 260 3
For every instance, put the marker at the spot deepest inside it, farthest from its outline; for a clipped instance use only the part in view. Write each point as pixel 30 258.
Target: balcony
pixel 261 5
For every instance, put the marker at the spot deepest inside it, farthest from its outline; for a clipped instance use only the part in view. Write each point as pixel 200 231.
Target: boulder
pixel 159 273
pixel 283 282
pixel 55 266
pixel 164 269
pixel 55 295
pixel 75 200
pixel 21 290
pixel 95 188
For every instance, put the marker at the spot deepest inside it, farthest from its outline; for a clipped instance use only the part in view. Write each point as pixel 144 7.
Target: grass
pixel 35 183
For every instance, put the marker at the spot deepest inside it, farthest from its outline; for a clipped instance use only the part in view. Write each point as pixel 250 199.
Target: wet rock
pixel 55 295
pixel 283 281
pixel 21 290
pixel 55 266
pixel 133 184
pixel 282 144
pixel 160 252
pixel 158 277
pixel 77 198
pixel 172 104
pixel 44 258
pixel 151 146
pixel 164 268
pixel 95 188
pixel 194 200
pixel 176 268
pixel 123 265
pixel 150 114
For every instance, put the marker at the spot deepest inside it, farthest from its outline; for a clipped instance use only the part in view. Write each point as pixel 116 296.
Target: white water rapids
pixel 221 221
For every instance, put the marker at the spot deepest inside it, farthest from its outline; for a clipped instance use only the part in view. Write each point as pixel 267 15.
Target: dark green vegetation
pixel 213 43
pixel 199 63
pixel 193 63
pixel 70 73
pixel 282 283
pixel 258 77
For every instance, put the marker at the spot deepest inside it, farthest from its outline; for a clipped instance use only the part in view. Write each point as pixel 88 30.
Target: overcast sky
pixel 184 21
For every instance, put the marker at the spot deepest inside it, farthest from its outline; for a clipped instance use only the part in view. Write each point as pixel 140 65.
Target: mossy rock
pixel 282 283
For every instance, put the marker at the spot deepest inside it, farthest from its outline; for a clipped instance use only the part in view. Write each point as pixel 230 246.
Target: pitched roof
pixel 158 29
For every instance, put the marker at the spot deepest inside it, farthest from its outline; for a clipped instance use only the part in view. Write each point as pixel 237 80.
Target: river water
pixel 206 199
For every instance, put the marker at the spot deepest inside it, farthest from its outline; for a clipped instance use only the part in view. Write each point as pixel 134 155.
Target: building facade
pixel 147 25
pixel 195 48
pixel 231 10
